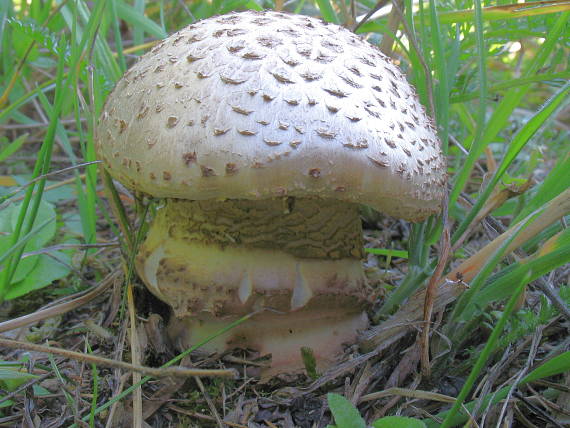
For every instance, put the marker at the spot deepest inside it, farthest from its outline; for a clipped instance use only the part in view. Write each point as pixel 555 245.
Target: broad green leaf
pixel 345 414
pixel 40 235
pixel 46 270
pixel 12 378
pixel 557 365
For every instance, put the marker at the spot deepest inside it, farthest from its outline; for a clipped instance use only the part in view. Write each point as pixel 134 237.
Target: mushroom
pixel 262 132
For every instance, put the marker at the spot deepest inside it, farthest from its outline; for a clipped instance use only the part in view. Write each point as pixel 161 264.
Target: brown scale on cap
pixel 207 114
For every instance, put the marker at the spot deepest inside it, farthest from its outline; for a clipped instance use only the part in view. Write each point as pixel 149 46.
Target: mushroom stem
pixel 214 261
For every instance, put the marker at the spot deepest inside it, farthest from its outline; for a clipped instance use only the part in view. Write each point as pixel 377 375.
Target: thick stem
pixel 213 261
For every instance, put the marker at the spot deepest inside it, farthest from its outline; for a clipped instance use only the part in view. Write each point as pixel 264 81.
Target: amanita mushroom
pixel 262 132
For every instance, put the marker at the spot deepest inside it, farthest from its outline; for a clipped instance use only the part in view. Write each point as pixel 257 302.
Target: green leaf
pixel 12 147
pixel 40 235
pixel 345 414
pixel 398 422
pixel 46 271
pixel 557 365
pixel 12 378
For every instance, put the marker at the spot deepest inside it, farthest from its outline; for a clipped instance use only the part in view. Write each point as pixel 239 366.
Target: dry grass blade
pixel 494 202
pixel 387 44
pixel 105 362
pixel 409 393
pixel 452 286
pixel 431 291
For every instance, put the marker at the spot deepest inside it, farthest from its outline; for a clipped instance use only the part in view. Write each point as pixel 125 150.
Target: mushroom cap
pixel 255 105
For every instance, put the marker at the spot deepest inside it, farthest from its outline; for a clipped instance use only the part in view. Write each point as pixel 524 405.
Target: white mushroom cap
pixel 255 105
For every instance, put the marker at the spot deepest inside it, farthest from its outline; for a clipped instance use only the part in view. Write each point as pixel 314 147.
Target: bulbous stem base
pixel 299 259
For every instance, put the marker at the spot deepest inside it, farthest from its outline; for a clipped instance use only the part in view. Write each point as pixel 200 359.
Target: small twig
pixel 537 410
pixel 9 199
pixel 379 5
pixel 209 402
pixel 105 362
pixel 60 308
pixel 60 247
pixel 555 299
pixel 203 417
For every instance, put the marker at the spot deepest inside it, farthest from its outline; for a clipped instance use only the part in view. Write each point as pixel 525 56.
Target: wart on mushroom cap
pixel 292 121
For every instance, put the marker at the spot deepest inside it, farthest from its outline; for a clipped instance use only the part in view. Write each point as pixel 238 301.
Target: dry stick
pixel 209 402
pixel 106 362
pixel 387 43
pixel 402 322
pixel 135 358
pixel 537 336
pixel 61 308
pixel 59 247
pixel 431 290
pixel 371 12
pixel 50 174
pixel 546 288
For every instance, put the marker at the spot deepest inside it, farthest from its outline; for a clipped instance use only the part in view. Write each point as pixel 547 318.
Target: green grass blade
pixel 519 141
pixel 555 183
pixel 505 12
pixel 554 254
pixel 387 252
pixel 562 77
pixel 134 15
pixel 485 353
pixel 554 366
pixel 511 101
pixel 327 11
pixel 557 365
pixel 41 168
pixel 13 147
